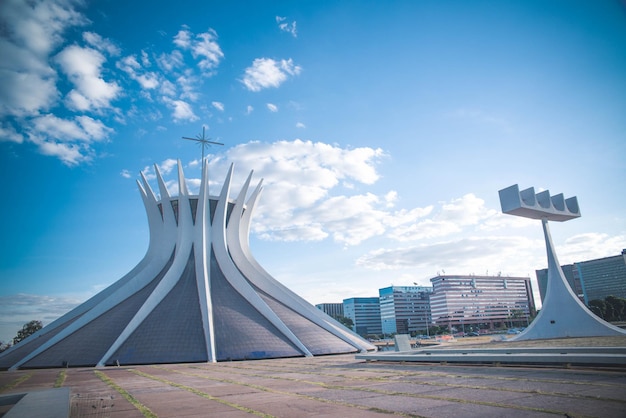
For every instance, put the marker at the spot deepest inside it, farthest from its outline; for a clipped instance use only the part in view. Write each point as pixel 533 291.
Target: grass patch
pixel 60 379
pixel 130 398
pixel 16 382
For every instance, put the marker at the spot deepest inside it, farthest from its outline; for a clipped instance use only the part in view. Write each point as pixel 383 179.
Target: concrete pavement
pixel 331 386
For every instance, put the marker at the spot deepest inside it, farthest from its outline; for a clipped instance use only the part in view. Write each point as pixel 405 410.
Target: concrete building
pixel 405 309
pixel 365 314
pixel 197 296
pixel 481 301
pixel 593 279
pixel 333 310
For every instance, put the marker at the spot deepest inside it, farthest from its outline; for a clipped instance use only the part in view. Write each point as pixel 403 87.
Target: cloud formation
pixel 285 26
pixel 266 72
pixel 83 67
pixel 300 178
pixel 64 91
pixel 64 94
pixel 31 31
pixel 203 46
pixel 17 310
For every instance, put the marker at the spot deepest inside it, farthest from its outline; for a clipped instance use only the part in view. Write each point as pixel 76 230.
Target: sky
pixel 383 132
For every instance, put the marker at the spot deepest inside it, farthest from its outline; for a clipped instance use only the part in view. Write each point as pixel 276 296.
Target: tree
pixel 612 308
pixel 4 346
pixel 345 321
pixel 618 306
pixel 598 307
pixel 27 330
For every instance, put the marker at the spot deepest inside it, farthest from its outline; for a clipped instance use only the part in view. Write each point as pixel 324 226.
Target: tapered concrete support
pixel 562 314
pixel 197 295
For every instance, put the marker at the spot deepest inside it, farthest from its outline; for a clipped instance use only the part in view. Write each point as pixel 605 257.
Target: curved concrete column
pixel 562 314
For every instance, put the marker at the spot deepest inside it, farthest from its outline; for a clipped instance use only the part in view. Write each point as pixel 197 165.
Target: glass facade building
pixel 365 314
pixel 593 279
pixel 405 309
pixel 481 301
pixel 333 310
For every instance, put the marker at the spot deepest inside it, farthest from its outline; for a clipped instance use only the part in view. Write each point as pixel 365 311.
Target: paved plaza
pixel 332 386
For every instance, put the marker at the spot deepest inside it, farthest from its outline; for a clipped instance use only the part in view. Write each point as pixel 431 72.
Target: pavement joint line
pixel 406 394
pixel 299 395
pixel 390 379
pixel 16 382
pixel 200 393
pixel 130 398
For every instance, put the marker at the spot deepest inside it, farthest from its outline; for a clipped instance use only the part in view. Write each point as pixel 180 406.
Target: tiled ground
pixel 333 386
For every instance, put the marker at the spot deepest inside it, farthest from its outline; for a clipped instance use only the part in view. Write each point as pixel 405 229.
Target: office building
pixel 334 310
pixel 365 314
pixel 405 309
pixel 481 301
pixel 593 279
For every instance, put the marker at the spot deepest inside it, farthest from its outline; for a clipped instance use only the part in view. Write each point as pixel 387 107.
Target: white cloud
pixel 511 255
pixel 67 139
pixel 95 129
pixel 207 47
pixel 145 59
pixel 181 110
pixel 26 93
pixel 170 62
pixel 187 84
pixel 167 166
pixel 147 79
pixel 30 32
pixel 83 128
pixel 203 46
pixel 83 67
pixel 183 39
pixel 218 105
pixel 590 246
pixel 272 107
pixel 249 109
pixel 125 173
pixel 17 310
pixel 69 153
pixel 285 26
pixel 300 125
pixel 101 44
pixel 303 200
pixel 265 73
pixel 299 177
pixel 468 210
pixel 9 134
pixel 390 198
pixel 38 25
pixel 168 89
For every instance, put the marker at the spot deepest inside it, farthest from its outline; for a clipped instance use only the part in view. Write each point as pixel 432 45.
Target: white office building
pixel 481 301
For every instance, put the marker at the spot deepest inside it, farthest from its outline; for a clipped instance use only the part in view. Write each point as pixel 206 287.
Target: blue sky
pixel 383 132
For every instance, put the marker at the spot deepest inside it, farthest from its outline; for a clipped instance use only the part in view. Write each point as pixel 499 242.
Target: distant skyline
pixel 383 132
